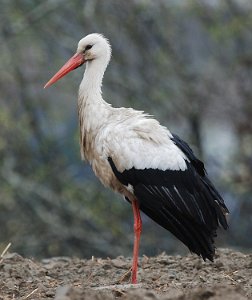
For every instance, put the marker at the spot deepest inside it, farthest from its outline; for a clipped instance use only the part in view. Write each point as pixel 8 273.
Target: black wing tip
pixel 206 256
pixel 210 257
pixel 203 254
pixel 203 245
pixel 209 254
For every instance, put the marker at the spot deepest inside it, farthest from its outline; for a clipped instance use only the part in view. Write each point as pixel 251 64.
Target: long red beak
pixel 74 62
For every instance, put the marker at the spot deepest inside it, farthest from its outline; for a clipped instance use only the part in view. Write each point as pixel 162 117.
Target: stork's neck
pixel 90 88
pixel 93 110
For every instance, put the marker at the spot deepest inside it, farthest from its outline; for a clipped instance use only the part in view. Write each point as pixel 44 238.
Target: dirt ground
pixel 161 277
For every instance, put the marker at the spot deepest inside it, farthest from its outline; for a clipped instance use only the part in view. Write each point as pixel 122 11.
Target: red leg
pixel 137 234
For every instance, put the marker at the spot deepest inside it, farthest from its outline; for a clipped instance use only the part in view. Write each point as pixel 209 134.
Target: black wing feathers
pixel 184 202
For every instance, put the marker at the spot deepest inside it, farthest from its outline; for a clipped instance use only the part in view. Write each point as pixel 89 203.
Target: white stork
pixel 134 155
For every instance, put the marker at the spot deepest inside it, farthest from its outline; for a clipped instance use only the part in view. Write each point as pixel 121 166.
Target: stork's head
pixel 92 47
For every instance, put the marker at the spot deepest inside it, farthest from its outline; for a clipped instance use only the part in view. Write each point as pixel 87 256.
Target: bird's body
pixel 134 155
pixel 132 139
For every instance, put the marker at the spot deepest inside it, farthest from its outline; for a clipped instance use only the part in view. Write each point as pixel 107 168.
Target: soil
pixel 162 277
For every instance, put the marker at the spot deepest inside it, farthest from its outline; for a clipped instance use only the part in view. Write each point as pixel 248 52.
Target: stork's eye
pixel 88 47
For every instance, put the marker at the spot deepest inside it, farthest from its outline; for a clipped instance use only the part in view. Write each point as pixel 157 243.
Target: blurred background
pixel 187 62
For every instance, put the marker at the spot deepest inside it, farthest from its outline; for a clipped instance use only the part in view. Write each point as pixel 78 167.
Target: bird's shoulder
pixel 134 124
pixel 135 139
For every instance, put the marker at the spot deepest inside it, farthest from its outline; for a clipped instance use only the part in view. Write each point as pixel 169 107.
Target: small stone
pixel 119 263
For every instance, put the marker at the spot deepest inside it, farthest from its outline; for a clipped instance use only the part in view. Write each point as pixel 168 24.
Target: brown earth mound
pixel 162 277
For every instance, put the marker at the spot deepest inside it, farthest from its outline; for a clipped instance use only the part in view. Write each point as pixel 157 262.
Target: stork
pixel 153 169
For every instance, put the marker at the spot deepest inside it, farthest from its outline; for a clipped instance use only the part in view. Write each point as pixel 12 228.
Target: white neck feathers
pixel 92 108
pixel 92 80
